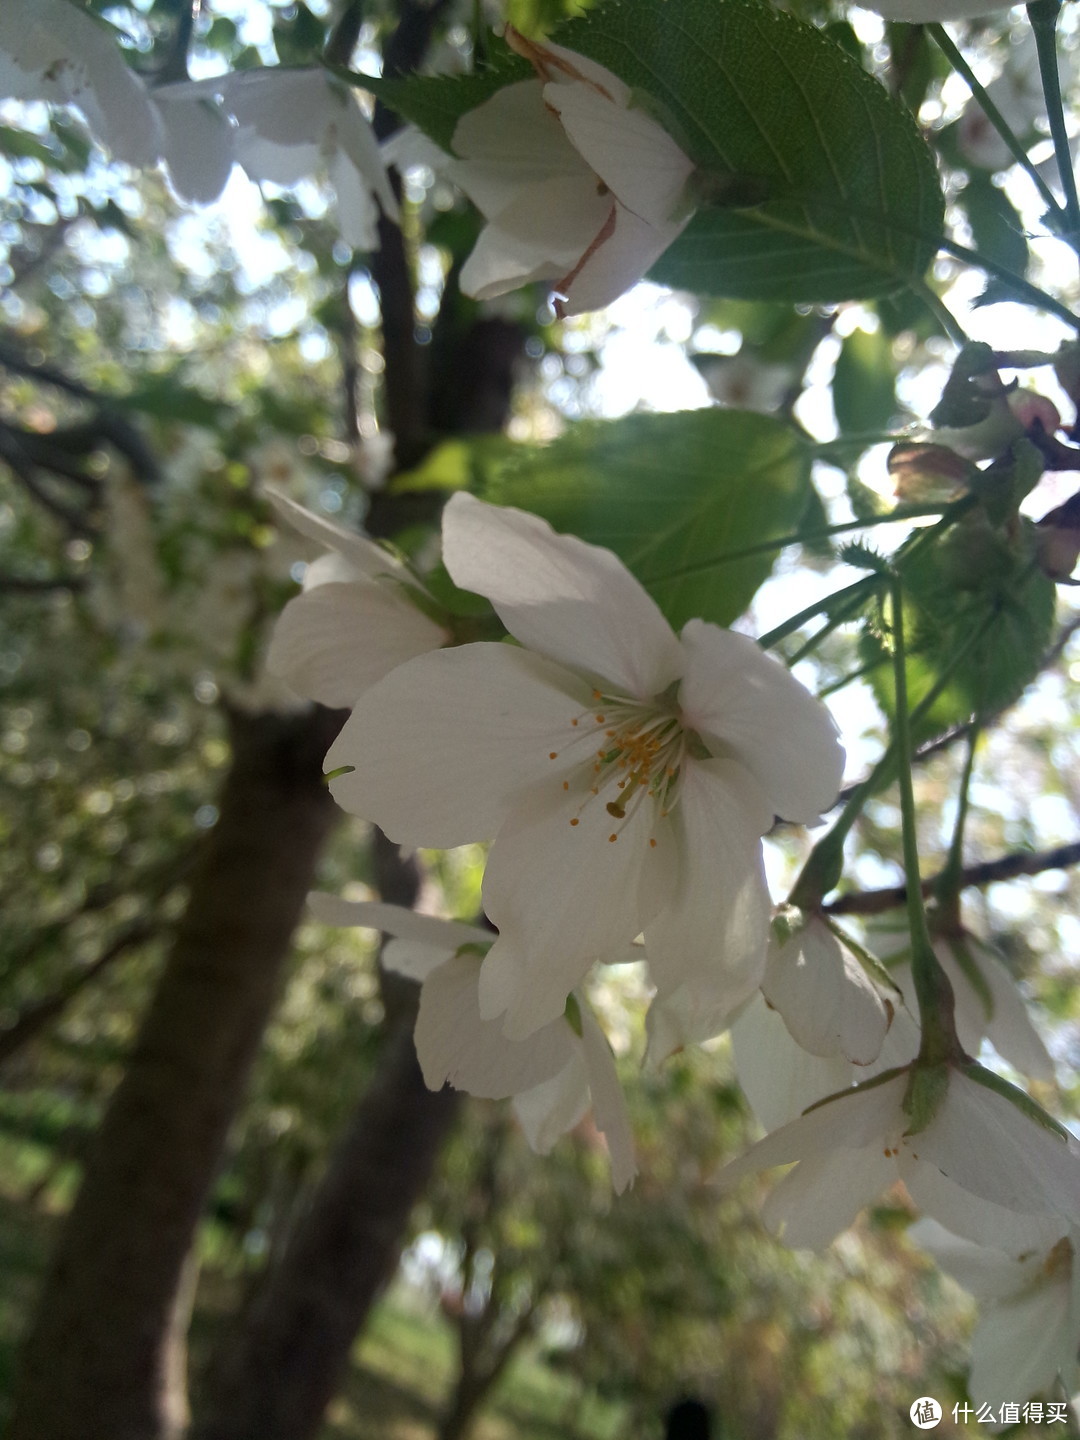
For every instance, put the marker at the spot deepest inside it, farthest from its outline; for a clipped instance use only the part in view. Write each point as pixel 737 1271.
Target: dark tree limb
pixel 40 584
pixel 97 1363
pixel 38 1016
pixel 295 1347
pixel 1006 867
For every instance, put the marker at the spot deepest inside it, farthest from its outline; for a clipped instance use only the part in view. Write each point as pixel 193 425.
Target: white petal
pixel 977 1220
pixel 984 1272
pixel 853 1121
pixel 619 256
pixel 828 1001
pixel 282 116
pixel 454 1044
pixel 538 235
pixel 823 1194
pixel 367 558
pixel 447 935
pixel 737 696
pixel 1009 1029
pixel 198 146
pixel 1022 1344
pixel 335 641
pixel 986 1145
pixel 357 142
pixel 330 569
pixel 779 1078
pixel 50 50
pixel 574 602
pixel 414 961
pixel 609 1103
pixel 511 143
pixel 357 209
pixel 549 1110
pixel 500 262
pixel 635 157
pixel 709 943
pixel 445 746
pixel 561 65
pixel 561 896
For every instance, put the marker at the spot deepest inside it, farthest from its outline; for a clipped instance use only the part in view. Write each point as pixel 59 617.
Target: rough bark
pixel 98 1364
pixel 295 1345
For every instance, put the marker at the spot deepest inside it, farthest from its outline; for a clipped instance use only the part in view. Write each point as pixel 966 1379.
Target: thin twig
pixel 39 584
pixel 1006 867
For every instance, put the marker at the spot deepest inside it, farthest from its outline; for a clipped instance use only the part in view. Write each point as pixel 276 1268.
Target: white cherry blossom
pixel 988 1004
pixel 1029 1309
pixel 625 775
pixel 580 186
pixel 51 50
pixel 354 621
pixel 827 999
pixel 852 1147
pixel 778 1077
pixel 280 125
pixel 553 1076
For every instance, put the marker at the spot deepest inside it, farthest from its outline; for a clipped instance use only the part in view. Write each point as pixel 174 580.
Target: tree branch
pixel 1006 867
pixel 39 585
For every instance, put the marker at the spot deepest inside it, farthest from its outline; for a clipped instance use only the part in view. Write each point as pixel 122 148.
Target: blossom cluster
pixel 580 186
pixel 624 777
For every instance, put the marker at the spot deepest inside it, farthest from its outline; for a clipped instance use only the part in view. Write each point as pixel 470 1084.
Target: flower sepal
pixel 927 1088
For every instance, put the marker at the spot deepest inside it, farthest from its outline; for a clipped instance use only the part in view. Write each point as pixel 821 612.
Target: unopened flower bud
pixel 1057 545
pixel 1032 409
pixel 924 474
pixel 1067 370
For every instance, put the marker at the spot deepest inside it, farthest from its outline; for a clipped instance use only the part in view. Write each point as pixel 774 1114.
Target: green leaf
pixel 975 592
pixel 673 496
pixel 458 464
pixel 863 385
pixel 168 398
pixel 765 105
pixel 996 228
pixel 435 103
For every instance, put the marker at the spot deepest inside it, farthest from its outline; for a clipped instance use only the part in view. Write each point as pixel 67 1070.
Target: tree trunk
pixel 98 1364
pixel 294 1349
pixel 461 1413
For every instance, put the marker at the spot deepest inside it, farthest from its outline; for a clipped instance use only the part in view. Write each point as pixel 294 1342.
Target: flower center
pixel 639 758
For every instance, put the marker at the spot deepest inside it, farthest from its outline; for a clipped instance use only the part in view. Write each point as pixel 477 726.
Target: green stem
pixel 1021 287
pixel 807 537
pixel 861 440
pixel 862 588
pixel 856 592
pixel 945 44
pixel 932 987
pixel 1043 15
pixel 824 865
pixel 848 679
pixel 835 620
pixel 937 307
pixel 950 881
